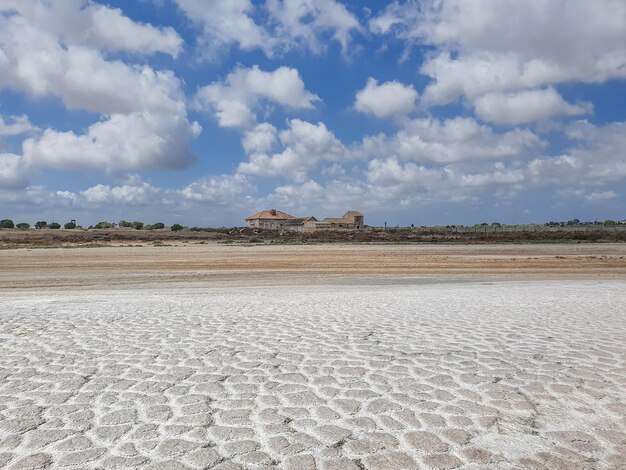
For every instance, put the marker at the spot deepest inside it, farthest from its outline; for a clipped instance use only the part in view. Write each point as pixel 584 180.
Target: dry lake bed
pixel 313 357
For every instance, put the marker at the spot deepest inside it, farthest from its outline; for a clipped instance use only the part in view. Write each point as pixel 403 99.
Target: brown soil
pixel 46 238
pixel 335 263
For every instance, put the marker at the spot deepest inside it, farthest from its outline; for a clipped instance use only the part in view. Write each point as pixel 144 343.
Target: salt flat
pixel 473 375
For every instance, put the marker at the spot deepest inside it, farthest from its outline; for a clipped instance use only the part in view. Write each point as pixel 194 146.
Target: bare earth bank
pixel 139 266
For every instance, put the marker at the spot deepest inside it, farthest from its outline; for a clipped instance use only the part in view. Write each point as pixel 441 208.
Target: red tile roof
pixel 271 214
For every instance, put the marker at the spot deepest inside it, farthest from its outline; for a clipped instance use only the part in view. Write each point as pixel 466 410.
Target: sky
pixel 202 112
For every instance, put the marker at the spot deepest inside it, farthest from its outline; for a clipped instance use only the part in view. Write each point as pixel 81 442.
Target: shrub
pixel 124 223
pixel 101 225
pixel 158 225
pixel 7 223
pixel 137 225
pixel 177 227
pixel 70 226
pixel 54 226
pixel 41 224
pixel 23 226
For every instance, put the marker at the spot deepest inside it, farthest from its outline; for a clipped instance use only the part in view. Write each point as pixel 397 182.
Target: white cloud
pixel 304 146
pixel 56 49
pixel 389 99
pixel 525 107
pixel 261 139
pixel 485 46
pixel 133 141
pixel 221 190
pixel 453 140
pixel 13 171
pixel 600 150
pixel 226 22
pixel 390 173
pixel 18 125
pixel 82 22
pixel 233 99
pixel 38 61
pixel 302 22
pixel 310 197
pixel 137 194
pixel 602 196
pixel 278 27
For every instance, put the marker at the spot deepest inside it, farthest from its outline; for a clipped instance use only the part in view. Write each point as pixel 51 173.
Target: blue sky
pixel 203 112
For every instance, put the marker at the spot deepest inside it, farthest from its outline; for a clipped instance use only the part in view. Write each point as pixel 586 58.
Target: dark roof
pixel 300 220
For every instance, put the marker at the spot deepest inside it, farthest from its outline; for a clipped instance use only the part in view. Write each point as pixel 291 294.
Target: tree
pixel 23 226
pixel 609 222
pixel 137 225
pixel 158 225
pixel 41 224
pixel 177 227
pixel 70 226
pixel 101 225
pixel 125 224
pixel 54 226
pixel 7 223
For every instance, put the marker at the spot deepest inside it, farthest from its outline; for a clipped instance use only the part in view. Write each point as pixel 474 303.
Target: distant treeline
pixel 71 225
pixel 482 227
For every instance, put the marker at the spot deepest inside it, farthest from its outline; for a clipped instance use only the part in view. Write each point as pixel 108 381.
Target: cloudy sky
pixel 204 111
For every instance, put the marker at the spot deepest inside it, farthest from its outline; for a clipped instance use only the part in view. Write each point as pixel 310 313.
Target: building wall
pixel 265 223
pixel 307 226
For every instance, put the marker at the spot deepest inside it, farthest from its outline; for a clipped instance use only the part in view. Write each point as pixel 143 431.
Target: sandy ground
pixel 370 358
pixel 134 266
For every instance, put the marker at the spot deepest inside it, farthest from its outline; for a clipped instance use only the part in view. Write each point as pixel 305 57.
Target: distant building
pixel 351 219
pixel 273 219
pixel 302 224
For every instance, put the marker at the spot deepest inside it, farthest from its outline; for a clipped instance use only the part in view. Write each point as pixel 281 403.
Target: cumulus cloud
pixel 221 189
pixel 389 99
pixel 227 22
pixel 13 171
pixel 302 22
pixel 595 157
pixel 16 126
pixel 391 173
pixel 312 197
pixel 233 100
pixel 599 150
pixel 304 146
pixel 56 49
pixel 601 196
pixel 82 22
pixel 205 201
pixel 525 107
pixel 36 62
pixel 261 139
pixel 484 46
pixel 137 194
pixel 135 141
pixel 452 140
pixel 278 27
